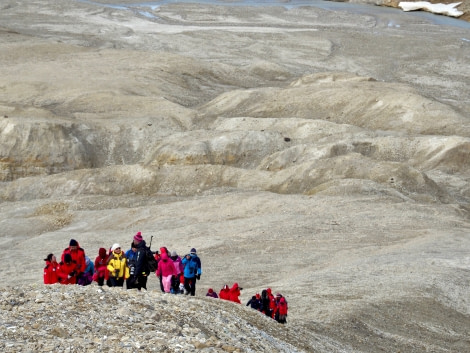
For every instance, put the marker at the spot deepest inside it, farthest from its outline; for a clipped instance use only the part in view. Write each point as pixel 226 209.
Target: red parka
pixel 101 261
pixel 235 293
pixel 282 306
pixel 224 293
pixel 51 272
pixel 78 256
pixel 67 273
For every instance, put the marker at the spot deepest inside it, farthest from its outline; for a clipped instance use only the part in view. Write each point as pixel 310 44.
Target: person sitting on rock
pixel 67 270
pixel 117 267
pixel 235 293
pixel 50 271
pixel 224 293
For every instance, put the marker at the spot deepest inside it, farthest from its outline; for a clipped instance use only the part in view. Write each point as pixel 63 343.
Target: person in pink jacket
pixel 166 269
pixel 179 268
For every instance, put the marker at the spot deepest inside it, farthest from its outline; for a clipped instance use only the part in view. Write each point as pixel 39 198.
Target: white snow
pixel 443 9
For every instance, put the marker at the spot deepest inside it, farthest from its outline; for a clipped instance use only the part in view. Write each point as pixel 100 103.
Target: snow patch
pixel 442 9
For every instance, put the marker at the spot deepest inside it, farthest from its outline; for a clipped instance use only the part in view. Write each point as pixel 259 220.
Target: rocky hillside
pixel 90 319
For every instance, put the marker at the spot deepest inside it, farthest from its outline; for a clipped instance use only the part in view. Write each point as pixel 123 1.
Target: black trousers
pixel 190 285
pixel 116 282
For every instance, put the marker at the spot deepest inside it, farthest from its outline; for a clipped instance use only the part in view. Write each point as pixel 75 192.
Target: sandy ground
pixel 321 153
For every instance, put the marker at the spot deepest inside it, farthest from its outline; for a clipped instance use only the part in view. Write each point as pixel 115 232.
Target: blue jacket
pixel 192 266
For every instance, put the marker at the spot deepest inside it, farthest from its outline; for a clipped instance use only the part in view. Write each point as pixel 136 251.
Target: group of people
pixel 273 306
pixel 116 267
pixel 176 275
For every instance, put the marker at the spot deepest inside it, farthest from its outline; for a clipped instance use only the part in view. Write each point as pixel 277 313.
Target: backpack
pixel 152 263
pixel 193 264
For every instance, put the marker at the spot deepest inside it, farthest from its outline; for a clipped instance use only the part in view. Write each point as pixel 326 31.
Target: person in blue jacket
pixel 192 272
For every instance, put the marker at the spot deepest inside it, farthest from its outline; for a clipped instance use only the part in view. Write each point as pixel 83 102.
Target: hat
pixel 73 242
pixel 138 237
pixel 67 258
pixel 173 253
pixel 278 295
pixel 210 290
pixel 102 252
pixel 49 257
pixel 193 251
pixel 115 246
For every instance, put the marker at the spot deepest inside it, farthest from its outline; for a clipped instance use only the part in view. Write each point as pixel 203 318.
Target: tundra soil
pixel 324 154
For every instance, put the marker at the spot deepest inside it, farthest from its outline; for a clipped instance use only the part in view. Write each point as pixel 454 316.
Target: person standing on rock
pixel 50 271
pixel 139 279
pixel 78 257
pixel 117 267
pixel 192 272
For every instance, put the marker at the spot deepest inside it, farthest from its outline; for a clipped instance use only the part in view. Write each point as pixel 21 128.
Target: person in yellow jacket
pixel 117 267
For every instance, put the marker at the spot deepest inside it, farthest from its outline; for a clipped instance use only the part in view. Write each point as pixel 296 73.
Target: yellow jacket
pixel 117 266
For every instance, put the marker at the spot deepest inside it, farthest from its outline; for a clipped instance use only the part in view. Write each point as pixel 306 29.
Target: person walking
pixel 225 292
pixel 117 266
pixel 165 271
pixel 101 271
pixel 192 271
pixel 179 268
pixel 255 302
pixel 139 279
pixel 50 270
pixel 281 311
pixel 235 293
pixel 131 256
pixel 78 257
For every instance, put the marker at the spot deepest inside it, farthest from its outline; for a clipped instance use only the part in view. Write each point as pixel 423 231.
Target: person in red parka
pixel 166 270
pixel 50 271
pixel 101 271
pixel 225 293
pixel 272 303
pixel 235 293
pixel 78 256
pixel 67 270
pixel 281 312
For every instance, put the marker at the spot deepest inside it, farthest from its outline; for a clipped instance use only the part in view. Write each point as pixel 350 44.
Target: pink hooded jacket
pixel 165 266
